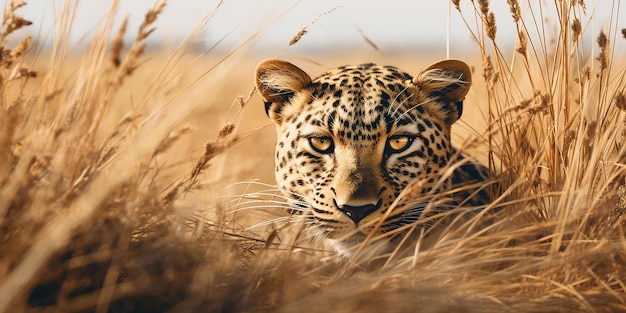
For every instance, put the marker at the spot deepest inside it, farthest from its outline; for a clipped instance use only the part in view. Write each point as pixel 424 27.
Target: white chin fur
pixel 353 247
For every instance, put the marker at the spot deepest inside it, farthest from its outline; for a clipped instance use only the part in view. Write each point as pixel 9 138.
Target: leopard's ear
pixel 447 81
pixel 278 82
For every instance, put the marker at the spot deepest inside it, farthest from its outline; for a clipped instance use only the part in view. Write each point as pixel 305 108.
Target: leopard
pixel 352 140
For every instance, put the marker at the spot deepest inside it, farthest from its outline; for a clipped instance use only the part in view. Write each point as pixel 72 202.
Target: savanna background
pixel 136 162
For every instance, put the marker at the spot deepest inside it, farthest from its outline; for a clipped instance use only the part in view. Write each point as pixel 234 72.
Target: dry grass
pixel 109 200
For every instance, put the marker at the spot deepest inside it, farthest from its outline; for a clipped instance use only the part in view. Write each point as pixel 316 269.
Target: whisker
pixel 268 222
pixel 413 108
pixel 399 106
pixel 395 100
pixel 318 234
pixel 258 207
pixel 247 202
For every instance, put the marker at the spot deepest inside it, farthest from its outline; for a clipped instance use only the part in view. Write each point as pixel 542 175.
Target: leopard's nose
pixel 357 213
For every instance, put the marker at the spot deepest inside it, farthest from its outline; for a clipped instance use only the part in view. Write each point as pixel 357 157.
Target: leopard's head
pixel 352 139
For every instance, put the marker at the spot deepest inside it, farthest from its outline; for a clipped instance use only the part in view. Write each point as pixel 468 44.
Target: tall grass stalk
pixel 80 182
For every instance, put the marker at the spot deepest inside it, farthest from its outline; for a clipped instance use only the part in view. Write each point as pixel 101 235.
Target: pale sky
pixel 391 24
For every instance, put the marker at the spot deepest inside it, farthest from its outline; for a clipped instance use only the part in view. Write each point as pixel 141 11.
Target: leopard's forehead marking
pixel 358 102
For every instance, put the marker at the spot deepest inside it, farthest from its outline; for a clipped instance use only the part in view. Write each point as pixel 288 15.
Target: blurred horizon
pixel 337 25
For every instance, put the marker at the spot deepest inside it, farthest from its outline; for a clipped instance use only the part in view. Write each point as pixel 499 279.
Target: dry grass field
pixel 137 181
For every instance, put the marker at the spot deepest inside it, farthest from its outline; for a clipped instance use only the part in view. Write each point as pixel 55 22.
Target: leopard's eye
pixel 399 143
pixel 323 145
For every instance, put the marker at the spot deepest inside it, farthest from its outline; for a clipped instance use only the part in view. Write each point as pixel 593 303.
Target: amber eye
pixel 399 143
pixel 322 145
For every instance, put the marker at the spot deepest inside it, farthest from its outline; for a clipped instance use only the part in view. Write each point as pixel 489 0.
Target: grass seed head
pixel 603 43
pixel 15 22
pixel 581 3
pixel 586 73
pixel 620 101
pixel 118 44
pixel 522 43
pixel 151 17
pixel 226 130
pixel 489 19
pixel 491 26
pixel 576 29
pixel 25 72
pixel 484 7
pixel 591 130
pixel 456 5
pixel 515 11
pixel 303 31
pixel 298 36
pixel 15 4
pixel 22 47
pixel 567 142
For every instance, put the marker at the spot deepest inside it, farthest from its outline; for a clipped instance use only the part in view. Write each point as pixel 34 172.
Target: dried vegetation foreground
pixel 108 203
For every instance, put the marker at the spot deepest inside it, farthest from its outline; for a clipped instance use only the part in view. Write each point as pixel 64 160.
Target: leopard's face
pixel 351 140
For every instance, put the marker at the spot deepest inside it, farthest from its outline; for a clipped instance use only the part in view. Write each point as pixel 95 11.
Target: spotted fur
pixel 351 140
